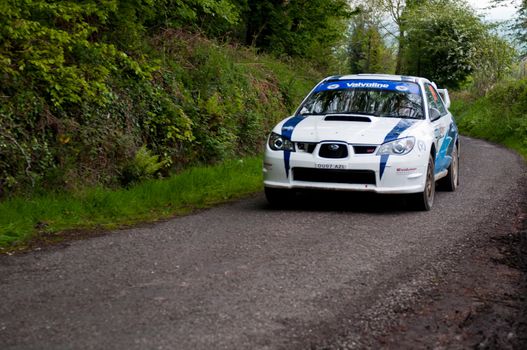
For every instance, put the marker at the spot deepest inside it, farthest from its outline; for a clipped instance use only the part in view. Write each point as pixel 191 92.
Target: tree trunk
pixel 400 52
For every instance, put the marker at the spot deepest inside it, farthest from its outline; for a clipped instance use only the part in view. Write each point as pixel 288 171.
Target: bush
pixel 143 166
pixel 499 116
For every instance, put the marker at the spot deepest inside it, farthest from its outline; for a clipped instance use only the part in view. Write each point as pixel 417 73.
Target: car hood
pixel 350 129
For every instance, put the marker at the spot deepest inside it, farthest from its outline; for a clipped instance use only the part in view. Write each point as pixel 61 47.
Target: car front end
pixel 341 163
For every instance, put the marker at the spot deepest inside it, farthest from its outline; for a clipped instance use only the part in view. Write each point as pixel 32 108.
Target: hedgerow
pixel 84 88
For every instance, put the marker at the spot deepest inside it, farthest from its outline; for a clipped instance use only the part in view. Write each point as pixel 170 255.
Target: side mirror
pixel 434 114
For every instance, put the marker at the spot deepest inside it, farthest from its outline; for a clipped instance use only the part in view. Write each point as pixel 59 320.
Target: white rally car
pixel 379 133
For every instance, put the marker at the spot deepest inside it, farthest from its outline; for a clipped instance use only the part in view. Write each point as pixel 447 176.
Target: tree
pixel 298 28
pixel 443 41
pixel 493 62
pixel 396 11
pixel 130 20
pixel 520 22
pixel 367 51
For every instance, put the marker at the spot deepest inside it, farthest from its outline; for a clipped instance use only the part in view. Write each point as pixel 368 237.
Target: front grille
pixel 333 150
pixel 363 177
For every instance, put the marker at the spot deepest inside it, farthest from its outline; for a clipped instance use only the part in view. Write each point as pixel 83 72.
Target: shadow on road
pixel 359 202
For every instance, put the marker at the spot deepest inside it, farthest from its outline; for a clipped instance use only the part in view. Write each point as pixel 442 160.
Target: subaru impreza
pixel 380 133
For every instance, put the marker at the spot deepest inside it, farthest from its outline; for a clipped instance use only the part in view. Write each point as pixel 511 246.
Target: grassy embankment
pixel 500 116
pixel 98 208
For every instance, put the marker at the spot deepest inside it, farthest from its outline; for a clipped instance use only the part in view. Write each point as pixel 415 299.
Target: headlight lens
pixel 398 147
pixel 279 143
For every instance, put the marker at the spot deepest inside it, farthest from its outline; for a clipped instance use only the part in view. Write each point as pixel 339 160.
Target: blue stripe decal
pixel 287 132
pixel 384 160
pixel 392 136
pixel 444 156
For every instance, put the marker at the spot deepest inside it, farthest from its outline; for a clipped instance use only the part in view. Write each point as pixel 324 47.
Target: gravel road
pixel 245 276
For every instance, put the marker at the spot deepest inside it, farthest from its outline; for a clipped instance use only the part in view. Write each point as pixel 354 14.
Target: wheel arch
pixel 433 151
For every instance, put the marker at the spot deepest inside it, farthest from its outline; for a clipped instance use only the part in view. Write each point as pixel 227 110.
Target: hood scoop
pixel 346 118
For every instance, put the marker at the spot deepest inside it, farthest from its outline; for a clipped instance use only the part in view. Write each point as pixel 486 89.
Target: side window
pixel 434 101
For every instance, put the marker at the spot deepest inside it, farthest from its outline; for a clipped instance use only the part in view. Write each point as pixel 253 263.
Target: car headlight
pixel 397 147
pixel 279 143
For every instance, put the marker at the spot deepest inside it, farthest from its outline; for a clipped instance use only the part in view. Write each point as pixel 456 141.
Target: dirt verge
pixel 481 305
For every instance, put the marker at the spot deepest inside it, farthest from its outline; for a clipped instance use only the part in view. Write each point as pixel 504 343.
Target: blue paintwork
pixel 444 156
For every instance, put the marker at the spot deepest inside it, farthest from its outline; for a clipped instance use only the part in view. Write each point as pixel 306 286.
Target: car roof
pixel 376 77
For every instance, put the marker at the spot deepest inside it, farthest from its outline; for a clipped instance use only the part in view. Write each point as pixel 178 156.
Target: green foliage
pixel 367 52
pixel 499 116
pixel 198 102
pixel 131 20
pixel 52 66
pixel 448 43
pixel 143 166
pixel 299 28
pixel 519 25
pixel 86 83
pixel 495 57
pixel 231 96
pixel 442 41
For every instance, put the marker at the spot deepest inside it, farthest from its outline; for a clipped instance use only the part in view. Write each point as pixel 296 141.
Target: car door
pixel 444 128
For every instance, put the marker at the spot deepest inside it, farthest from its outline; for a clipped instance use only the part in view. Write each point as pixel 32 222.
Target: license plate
pixel 330 166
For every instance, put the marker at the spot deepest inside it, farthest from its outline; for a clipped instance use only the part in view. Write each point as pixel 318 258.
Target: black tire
pixel 424 201
pixel 451 181
pixel 278 197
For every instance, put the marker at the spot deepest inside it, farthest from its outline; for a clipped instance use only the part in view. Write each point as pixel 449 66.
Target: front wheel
pixel 425 200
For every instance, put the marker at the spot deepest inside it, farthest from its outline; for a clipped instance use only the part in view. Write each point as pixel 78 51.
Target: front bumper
pixel 402 174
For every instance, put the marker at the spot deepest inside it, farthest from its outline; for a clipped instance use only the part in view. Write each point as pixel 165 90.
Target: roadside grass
pixel 22 220
pixel 500 116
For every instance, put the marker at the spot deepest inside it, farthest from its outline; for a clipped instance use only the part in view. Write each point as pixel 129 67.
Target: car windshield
pixel 382 99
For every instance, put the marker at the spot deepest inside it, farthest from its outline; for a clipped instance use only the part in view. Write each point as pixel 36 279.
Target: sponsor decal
pixel 397 86
pixel 405 171
pixel 371 85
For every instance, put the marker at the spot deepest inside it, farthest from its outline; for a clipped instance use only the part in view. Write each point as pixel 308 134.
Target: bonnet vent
pixel 346 118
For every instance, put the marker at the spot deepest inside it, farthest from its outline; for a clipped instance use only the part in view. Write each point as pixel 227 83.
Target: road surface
pixel 245 276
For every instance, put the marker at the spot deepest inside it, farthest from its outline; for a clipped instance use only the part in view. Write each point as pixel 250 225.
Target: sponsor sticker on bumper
pixel 405 171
